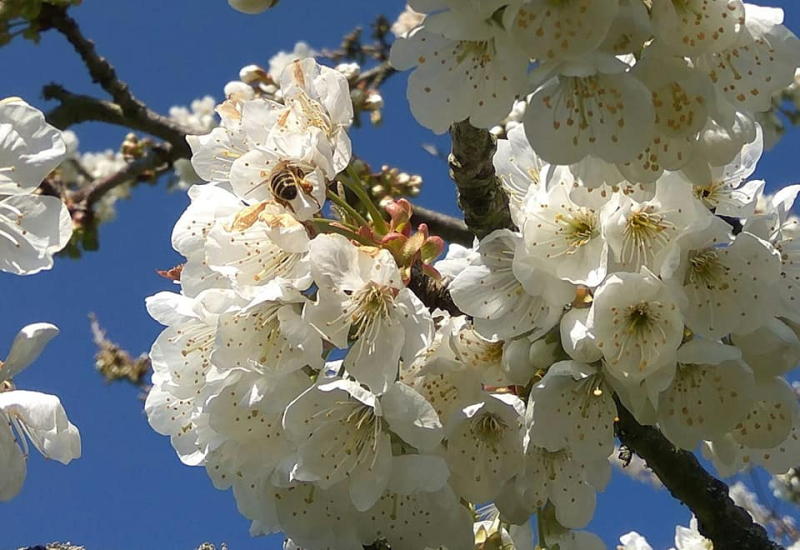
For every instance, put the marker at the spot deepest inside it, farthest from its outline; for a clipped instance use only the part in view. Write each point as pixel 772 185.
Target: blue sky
pixel 129 491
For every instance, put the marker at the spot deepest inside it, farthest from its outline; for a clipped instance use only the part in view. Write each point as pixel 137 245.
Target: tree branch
pixel 727 525
pixel 75 109
pixel 480 195
pixel 447 227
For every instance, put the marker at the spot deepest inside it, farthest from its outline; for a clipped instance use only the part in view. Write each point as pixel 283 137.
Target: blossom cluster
pixel 300 369
pixel 641 86
pixel 33 227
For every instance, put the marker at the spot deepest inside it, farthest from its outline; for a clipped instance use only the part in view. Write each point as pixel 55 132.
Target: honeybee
pixel 286 182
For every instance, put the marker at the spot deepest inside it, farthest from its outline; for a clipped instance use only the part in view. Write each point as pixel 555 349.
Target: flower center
pixel 705 269
pixel 367 426
pixel 370 306
pixel 488 428
pixel 577 228
pixel 712 194
pixel 644 231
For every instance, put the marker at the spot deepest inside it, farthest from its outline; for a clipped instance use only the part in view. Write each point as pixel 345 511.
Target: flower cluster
pixel 642 87
pixel 300 369
pixel 245 378
pixel 33 227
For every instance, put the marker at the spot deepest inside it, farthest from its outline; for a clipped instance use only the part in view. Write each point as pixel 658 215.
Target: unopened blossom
pixel 32 227
pixel 362 303
pixel 252 6
pixel 30 416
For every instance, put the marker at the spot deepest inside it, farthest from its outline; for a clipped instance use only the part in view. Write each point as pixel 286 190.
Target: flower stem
pixel 353 182
pixel 352 212
pixel 324 225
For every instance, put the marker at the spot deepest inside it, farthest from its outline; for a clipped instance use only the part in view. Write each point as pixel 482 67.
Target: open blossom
pixel 637 325
pixel 349 436
pixel 32 227
pixel 466 67
pixel 362 300
pixel 30 416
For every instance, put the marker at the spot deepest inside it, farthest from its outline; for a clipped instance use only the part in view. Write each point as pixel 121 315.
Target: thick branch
pixel 480 195
pixel 447 227
pixel 728 526
pixel 431 292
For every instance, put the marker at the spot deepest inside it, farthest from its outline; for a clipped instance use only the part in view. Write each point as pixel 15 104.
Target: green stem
pixel 541 543
pixel 343 204
pixel 332 226
pixel 353 182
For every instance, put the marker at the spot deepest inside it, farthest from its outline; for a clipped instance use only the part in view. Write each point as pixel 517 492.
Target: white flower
pixel 32 227
pixel 505 296
pixel 681 95
pixel 771 350
pixel 362 301
pixel 252 6
pixel 710 393
pixel 573 406
pixel 457 259
pixel 771 416
pixel 690 538
pixel 267 333
pixel 563 238
pixel 761 62
pixel 637 325
pixel 519 169
pixel 181 360
pixel 260 245
pixel 592 107
pixel 693 27
pixel 318 97
pixel 28 415
pixel 558 477
pixel 279 61
pixel 639 233
pixel 779 227
pixel 554 31
pixel 484 446
pixel 466 67
pixel 634 541
pixel 343 432
pixel 723 188
pixel 725 285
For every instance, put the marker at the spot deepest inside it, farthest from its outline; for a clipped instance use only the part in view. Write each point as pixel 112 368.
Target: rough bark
pixel 480 194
